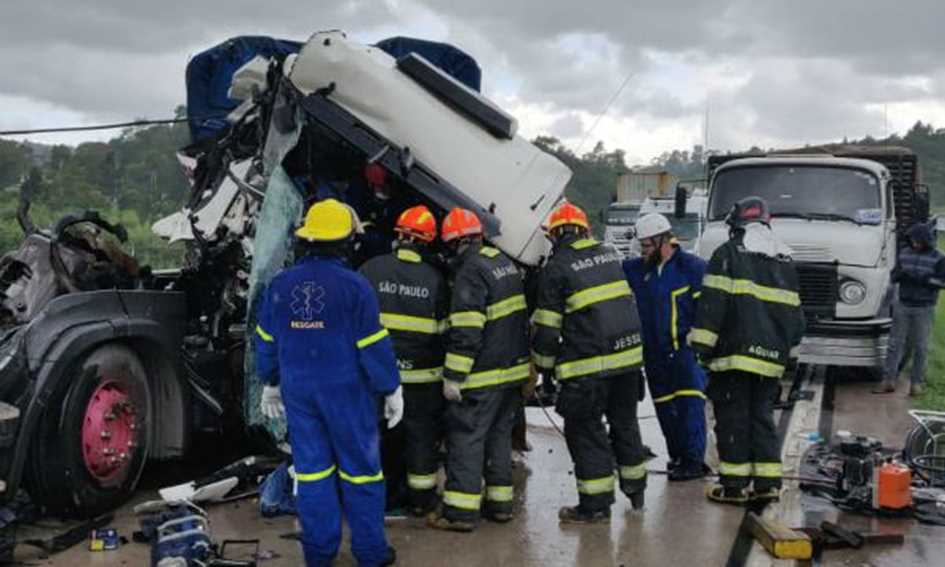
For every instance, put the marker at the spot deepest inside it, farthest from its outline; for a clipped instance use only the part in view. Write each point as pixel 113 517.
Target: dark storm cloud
pixel 798 70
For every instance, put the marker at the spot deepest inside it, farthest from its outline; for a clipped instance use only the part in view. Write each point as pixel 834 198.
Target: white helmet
pixel 652 224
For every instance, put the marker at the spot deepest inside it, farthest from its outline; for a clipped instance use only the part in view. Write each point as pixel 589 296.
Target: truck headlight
pixel 852 292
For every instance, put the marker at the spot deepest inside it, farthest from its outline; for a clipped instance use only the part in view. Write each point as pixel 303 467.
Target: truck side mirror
pixel 680 206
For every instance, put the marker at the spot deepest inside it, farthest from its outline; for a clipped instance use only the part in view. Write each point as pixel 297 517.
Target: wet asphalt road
pixel 678 526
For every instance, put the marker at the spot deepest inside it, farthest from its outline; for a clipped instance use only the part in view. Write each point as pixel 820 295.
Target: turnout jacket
pixel 487 343
pixel 749 317
pixel 414 304
pixel 585 323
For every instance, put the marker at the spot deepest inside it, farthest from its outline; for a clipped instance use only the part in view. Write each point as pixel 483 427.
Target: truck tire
pixel 92 442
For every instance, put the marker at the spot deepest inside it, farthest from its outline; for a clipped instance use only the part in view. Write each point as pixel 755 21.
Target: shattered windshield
pixel 800 191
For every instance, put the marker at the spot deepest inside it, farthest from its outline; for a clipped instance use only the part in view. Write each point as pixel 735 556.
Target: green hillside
pixel 135 178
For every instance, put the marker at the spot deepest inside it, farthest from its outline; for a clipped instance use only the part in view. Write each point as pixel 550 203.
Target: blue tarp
pixel 210 73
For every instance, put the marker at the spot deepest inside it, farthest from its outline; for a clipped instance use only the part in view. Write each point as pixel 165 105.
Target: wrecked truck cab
pixel 83 380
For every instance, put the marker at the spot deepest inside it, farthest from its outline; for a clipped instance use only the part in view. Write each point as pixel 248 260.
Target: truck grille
pixel 819 290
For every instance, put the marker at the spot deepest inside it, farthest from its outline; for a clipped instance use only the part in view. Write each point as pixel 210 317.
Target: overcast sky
pixel 771 73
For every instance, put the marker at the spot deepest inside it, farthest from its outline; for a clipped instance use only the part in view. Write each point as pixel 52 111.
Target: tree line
pixel 135 179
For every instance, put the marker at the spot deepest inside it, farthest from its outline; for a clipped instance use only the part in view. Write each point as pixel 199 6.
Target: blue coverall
pixel 666 299
pixel 320 338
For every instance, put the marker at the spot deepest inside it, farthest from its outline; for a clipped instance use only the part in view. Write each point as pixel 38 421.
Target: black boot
pixel 391 556
pixel 578 515
pixel 687 471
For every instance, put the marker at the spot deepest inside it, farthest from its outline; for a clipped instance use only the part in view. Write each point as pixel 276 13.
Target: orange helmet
pixel 460 222
pixel 417 222
pixel 565 214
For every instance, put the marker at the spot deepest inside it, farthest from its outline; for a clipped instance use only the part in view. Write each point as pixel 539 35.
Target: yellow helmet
pixel 326 221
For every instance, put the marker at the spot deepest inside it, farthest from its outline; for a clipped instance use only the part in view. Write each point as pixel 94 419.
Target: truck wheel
pixel 92 441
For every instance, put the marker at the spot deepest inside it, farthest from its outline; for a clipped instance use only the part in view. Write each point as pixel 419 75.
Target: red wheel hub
pixel 109 431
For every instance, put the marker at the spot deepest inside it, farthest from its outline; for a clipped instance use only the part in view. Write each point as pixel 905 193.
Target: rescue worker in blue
pixel 667 282
pixel 322 349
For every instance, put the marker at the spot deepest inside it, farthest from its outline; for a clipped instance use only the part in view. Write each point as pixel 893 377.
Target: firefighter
pixel 414 304
pixel 747 331
pixel 587 334
pixel 667 282
pixel 322 349
pixel 486 364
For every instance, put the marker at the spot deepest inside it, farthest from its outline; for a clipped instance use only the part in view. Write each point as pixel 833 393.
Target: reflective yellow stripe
pixel 499 493
pixel 312 477
pixel 421 481
pixel 443 326
pixel 697 295
pixel 767 470
pixel 422 375
pixel 361 479
pixel 733 469
pixel 462 500
pixel 596 485
pixel 635 472
pixel 680 394
pixel 584 243
pixel 703 337
pixel 597 364
pixel 506 307
pixel 543 361
pixel 489 252
pixel 459 363
pixel 596 294
pixel 467 319
pixel 747 364
pixel 409 256
pixel 398 322
pixel 495 377
pixel 371 339
pixel 547 318
pixel 748 287
pixel 264 335
pixel 674 315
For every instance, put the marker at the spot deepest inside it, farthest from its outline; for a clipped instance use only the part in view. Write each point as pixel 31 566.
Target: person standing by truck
pixel 587 334
pixel 414 303
pixel 325 360
pixel 920 273
pixel 748 328
pixel 668 282
pixel 486 364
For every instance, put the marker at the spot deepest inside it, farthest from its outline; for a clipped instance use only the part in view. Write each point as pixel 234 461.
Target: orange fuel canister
pixel 895 487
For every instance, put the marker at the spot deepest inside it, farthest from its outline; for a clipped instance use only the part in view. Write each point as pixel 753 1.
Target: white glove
pixel 451 391
pixel 271 404
pixel 394 407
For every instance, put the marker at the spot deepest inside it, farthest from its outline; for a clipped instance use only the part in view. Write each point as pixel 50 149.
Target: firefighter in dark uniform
pixel 486 365
pixel 587 334
pixel 748 328
pixel 414 303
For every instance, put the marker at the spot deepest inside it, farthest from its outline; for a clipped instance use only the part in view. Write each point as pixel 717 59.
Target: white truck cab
pixel 838 215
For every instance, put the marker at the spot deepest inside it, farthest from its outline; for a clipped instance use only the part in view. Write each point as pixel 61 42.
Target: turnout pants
pixel 594 451
pixel 745 430
pixel 677 384
pixel 423 426
pixel 480 444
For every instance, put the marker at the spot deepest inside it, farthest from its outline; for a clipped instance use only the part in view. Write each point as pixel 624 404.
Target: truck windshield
pixel 685 228
pixel 622 216
pixel 833 193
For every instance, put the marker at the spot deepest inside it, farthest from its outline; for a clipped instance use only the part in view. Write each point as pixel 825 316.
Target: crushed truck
pixel 842 209
pixel 105 365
